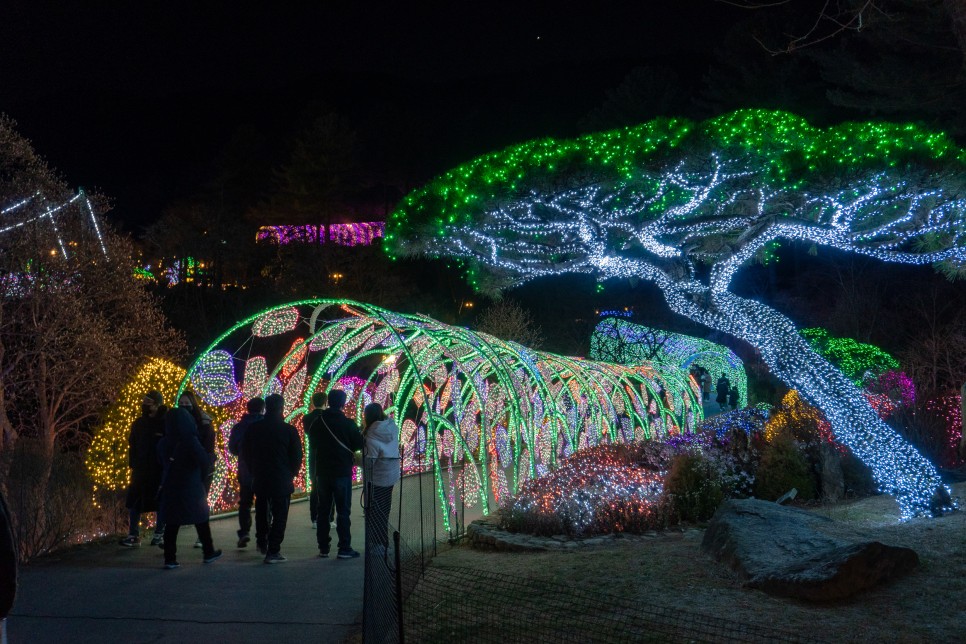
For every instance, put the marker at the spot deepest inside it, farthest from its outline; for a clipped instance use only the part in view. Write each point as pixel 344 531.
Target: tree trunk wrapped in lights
pixel 666 199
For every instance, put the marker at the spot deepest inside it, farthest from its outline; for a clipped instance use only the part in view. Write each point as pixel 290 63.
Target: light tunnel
pixel 493 410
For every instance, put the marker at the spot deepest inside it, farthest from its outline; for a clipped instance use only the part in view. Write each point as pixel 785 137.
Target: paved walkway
pixel 105 593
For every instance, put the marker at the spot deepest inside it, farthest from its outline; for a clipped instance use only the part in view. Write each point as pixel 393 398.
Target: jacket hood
pixel 383 431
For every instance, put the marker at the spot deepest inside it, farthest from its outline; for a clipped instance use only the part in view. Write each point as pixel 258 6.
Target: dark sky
pixel 137 98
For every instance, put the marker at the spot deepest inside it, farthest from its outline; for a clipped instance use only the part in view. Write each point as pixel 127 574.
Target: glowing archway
pixel 502 411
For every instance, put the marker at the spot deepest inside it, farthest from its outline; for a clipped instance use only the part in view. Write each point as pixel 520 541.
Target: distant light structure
pixel 355 234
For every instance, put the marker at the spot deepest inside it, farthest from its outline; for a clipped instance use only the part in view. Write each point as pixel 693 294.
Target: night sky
pixel 137 99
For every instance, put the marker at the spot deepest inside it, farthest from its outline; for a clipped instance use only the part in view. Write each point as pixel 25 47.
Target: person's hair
pixel 318 399
pixel 256 405
pixel 336 399
pixel 274 403
pixel 195 407
pixel 372 413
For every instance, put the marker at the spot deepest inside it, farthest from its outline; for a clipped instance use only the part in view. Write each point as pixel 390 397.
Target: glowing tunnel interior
pixel 497 411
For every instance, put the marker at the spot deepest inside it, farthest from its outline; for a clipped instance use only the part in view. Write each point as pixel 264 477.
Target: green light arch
pixel 500 412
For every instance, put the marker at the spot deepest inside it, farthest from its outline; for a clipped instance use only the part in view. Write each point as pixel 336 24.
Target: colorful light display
pixel 628 343
pixel 493 411
pixel 354 234
pixel 664 200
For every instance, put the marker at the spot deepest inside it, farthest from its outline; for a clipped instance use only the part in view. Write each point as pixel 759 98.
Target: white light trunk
pixel 897 466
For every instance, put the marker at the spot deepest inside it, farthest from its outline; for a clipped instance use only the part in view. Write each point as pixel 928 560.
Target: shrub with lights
pixel 669 199
pixel 482 414
pixel 601 490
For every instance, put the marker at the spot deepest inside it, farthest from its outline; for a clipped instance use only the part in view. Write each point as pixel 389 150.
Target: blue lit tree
pixel 685 205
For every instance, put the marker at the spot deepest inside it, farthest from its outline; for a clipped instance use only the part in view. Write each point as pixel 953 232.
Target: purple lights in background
pixel 356 234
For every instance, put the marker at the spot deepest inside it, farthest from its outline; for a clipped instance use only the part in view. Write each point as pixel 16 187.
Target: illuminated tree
pixel 685 205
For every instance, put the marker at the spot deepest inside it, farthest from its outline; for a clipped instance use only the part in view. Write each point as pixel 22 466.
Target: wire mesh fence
pixel 465 605
pixel 407 600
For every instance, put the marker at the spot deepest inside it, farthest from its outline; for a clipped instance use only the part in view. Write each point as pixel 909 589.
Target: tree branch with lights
pixel 686 205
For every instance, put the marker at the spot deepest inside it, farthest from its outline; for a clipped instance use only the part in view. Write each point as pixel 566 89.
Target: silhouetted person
pixel 273 450
pixel 722 387
pixel 142 493
pixel 311 426
pixel 183 497
pixel 8 567
pixel 246 493
pixel 733 395
pixel 339 440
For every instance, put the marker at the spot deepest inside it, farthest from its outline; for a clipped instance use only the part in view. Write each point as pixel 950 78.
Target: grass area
pixel 671 570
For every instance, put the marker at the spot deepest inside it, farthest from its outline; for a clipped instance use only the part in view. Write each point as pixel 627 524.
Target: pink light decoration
pixel 358 234
pixel 355 234
pixel 288 234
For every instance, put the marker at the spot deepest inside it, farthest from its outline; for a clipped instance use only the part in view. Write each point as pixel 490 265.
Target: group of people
pixel 172 458
pixel 727 395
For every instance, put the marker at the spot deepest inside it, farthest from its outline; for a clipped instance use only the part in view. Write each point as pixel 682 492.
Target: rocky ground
pixel 671 569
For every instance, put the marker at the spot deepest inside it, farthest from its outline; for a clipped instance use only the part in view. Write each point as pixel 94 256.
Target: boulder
pixel 790 552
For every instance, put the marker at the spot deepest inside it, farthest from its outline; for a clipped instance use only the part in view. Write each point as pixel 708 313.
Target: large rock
pixel 790 552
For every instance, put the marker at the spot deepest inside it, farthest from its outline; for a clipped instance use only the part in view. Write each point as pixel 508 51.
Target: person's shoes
pixel 323 554
pixel 348 554
pixel 215 556
pixel 171 565
pixel 315 525
pixel 274 558
pixel 157 540
pixel 243 540
pixel 198 544
pixel 130 541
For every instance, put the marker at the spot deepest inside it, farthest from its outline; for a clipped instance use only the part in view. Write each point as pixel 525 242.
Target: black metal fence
pixel 408 600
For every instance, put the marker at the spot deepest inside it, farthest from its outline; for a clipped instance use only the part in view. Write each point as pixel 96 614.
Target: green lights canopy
pixel 497 411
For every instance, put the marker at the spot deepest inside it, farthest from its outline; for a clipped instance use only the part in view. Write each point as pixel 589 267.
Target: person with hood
pixel 142 493
pixel 183 497
pixel 382 468
pixel 273 451
pixel 339 440
pixel 246 494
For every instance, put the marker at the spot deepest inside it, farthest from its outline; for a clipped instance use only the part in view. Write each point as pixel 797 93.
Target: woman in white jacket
pixel 382 470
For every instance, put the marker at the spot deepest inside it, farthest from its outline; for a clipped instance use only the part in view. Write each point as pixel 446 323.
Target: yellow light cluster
pixel 794 418
pixel 107 458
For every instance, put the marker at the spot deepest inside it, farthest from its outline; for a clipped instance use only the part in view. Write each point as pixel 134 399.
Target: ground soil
pixel 670 568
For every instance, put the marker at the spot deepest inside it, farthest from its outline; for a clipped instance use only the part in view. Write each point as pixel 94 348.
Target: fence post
pixel 399 603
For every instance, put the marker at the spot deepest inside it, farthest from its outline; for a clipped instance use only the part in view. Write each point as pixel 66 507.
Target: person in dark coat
pixel 722 387
pixel 183 497
pixel 206 434
pixel 246 494
pixel 273 450
pixel 339 440
pixel 311 426
pixel 142 493
pixel 733 395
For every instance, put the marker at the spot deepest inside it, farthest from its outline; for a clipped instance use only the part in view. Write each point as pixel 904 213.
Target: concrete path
pixel 105 593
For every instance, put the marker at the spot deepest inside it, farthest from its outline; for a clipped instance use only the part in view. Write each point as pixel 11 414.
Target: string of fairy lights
pixel 658 201
pixel 483 414
pixel 35 208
